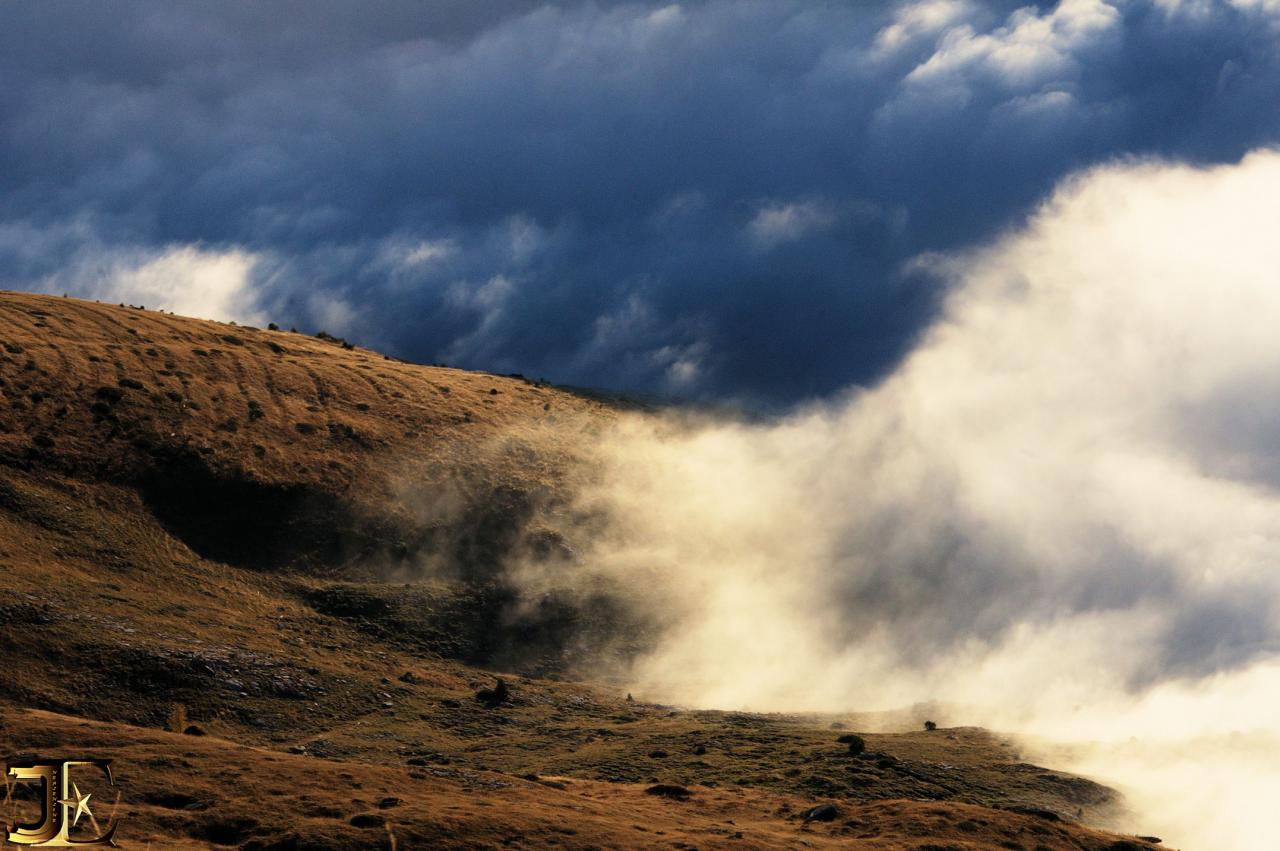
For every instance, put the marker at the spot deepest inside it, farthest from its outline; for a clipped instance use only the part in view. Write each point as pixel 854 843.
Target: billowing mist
pixel 1060 516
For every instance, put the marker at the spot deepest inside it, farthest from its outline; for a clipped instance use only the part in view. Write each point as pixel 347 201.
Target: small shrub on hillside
pixel 856 743
pixel 496 696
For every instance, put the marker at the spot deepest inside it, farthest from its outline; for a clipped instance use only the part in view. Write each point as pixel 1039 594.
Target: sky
pixel 723 201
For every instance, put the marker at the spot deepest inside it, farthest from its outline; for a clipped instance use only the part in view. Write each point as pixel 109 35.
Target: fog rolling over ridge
pixel 1062 510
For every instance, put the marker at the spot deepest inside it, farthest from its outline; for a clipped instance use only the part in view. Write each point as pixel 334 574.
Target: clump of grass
pixel 176 721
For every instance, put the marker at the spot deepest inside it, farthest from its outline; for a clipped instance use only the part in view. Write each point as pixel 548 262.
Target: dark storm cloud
pixel 708 199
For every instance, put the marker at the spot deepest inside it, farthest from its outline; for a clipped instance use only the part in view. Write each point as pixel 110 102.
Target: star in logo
pixel 81 803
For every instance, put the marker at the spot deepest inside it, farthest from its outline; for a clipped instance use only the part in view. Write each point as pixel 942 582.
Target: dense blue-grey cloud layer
pixel 714 199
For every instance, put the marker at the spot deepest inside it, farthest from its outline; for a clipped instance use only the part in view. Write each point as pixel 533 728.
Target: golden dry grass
pixel 186 792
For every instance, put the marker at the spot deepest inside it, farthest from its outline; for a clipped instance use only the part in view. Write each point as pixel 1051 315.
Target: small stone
pixel 822 812
pixel 668 790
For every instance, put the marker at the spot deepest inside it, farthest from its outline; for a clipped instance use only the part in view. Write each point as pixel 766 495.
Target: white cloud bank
pixel 191 280
pixel 1063 509
pixel 210 284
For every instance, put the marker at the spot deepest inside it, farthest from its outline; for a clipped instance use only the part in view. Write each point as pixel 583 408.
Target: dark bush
pixel 496 696
pixel 856 743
